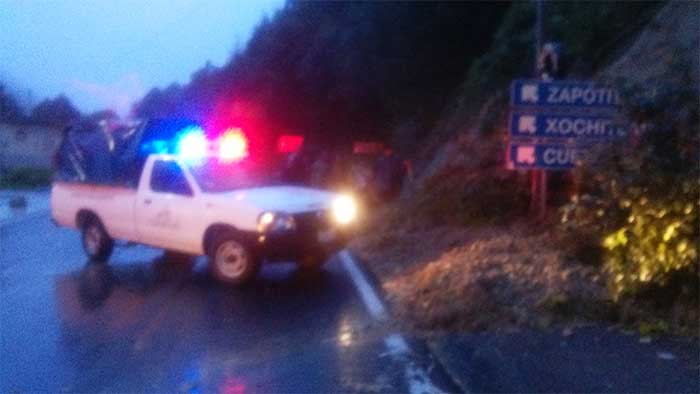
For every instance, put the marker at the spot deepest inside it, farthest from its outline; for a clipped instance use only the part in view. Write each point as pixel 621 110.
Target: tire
pixel 232 260
pixel 97 244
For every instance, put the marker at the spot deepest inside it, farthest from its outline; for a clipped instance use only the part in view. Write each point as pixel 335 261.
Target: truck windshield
pixel 216 177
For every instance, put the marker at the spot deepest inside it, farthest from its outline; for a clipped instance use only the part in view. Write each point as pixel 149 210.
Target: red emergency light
pixel 289 143
pixel 233 145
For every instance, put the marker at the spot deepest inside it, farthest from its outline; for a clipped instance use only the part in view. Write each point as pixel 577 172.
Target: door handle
pixel 147 201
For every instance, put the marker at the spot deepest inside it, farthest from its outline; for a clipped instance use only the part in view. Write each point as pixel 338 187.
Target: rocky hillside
pixel 463 260
pixel 471 134
pixel 666 47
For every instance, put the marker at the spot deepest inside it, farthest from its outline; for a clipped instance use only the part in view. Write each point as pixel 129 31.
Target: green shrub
pixel 659 238
pixel 642 199
pixel 25 178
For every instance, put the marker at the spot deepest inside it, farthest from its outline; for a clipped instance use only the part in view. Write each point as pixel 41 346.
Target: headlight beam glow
pixel 344 209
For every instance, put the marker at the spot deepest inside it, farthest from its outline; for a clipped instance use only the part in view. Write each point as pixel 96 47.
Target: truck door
pixel 166 208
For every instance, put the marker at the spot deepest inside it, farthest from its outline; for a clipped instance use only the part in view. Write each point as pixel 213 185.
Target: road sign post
pixel 548 117
pixel 538 189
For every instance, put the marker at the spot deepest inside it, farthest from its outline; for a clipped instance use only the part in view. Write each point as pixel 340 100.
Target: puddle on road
pixel 33 202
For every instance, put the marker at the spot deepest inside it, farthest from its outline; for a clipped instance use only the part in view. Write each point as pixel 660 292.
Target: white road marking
pixel 370 298
pixel 38 203
pixel 396 345
pixel 417 379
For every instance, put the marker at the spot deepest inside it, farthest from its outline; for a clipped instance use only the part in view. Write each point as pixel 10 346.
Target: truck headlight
pixel 344 209
pixel 275 221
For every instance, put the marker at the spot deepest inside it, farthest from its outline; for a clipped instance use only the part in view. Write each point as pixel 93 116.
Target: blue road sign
pixel 543 156
pixel 564 126
pixel 563 94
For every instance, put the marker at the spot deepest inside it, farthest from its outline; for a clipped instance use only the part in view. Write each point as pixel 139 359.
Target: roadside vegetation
pixel 25 178
pixel 642 208
pixel 57 112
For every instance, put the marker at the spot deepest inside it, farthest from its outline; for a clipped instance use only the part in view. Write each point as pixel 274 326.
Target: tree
pixel 340 71
pixel 58 112
pixel 159 103
pixel 105 114
pixel 10 110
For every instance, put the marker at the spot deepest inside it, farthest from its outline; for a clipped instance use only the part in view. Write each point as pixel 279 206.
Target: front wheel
pixel 98 245
pixel 231 260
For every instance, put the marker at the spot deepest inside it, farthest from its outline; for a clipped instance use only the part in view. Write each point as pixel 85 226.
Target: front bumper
pixel 313 237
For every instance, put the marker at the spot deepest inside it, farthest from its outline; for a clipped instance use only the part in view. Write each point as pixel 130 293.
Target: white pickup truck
pixel 235 216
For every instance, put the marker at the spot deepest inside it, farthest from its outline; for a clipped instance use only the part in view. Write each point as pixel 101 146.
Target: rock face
pixel 672 38
pixel 670 41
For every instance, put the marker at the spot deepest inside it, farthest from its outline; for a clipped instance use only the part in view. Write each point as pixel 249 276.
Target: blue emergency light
pixel 191 144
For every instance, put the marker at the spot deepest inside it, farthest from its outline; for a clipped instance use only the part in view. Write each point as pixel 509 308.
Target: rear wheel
pixel 98 245
pixel 231 260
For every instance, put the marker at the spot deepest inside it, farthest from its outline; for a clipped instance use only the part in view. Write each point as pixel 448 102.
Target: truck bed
pixel 113 205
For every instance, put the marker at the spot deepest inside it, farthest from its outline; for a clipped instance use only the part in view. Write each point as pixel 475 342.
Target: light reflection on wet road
pixel 37 201
pixel 147 324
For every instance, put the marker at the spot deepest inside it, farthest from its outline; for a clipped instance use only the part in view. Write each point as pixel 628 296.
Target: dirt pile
pixel 494 277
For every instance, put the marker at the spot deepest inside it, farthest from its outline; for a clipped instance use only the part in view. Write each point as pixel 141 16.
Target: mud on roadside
pixel 482 278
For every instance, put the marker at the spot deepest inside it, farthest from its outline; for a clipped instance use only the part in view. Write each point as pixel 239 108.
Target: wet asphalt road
pixel 146 323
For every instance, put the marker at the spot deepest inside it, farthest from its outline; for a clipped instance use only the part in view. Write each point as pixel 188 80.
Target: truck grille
pixel 312 221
